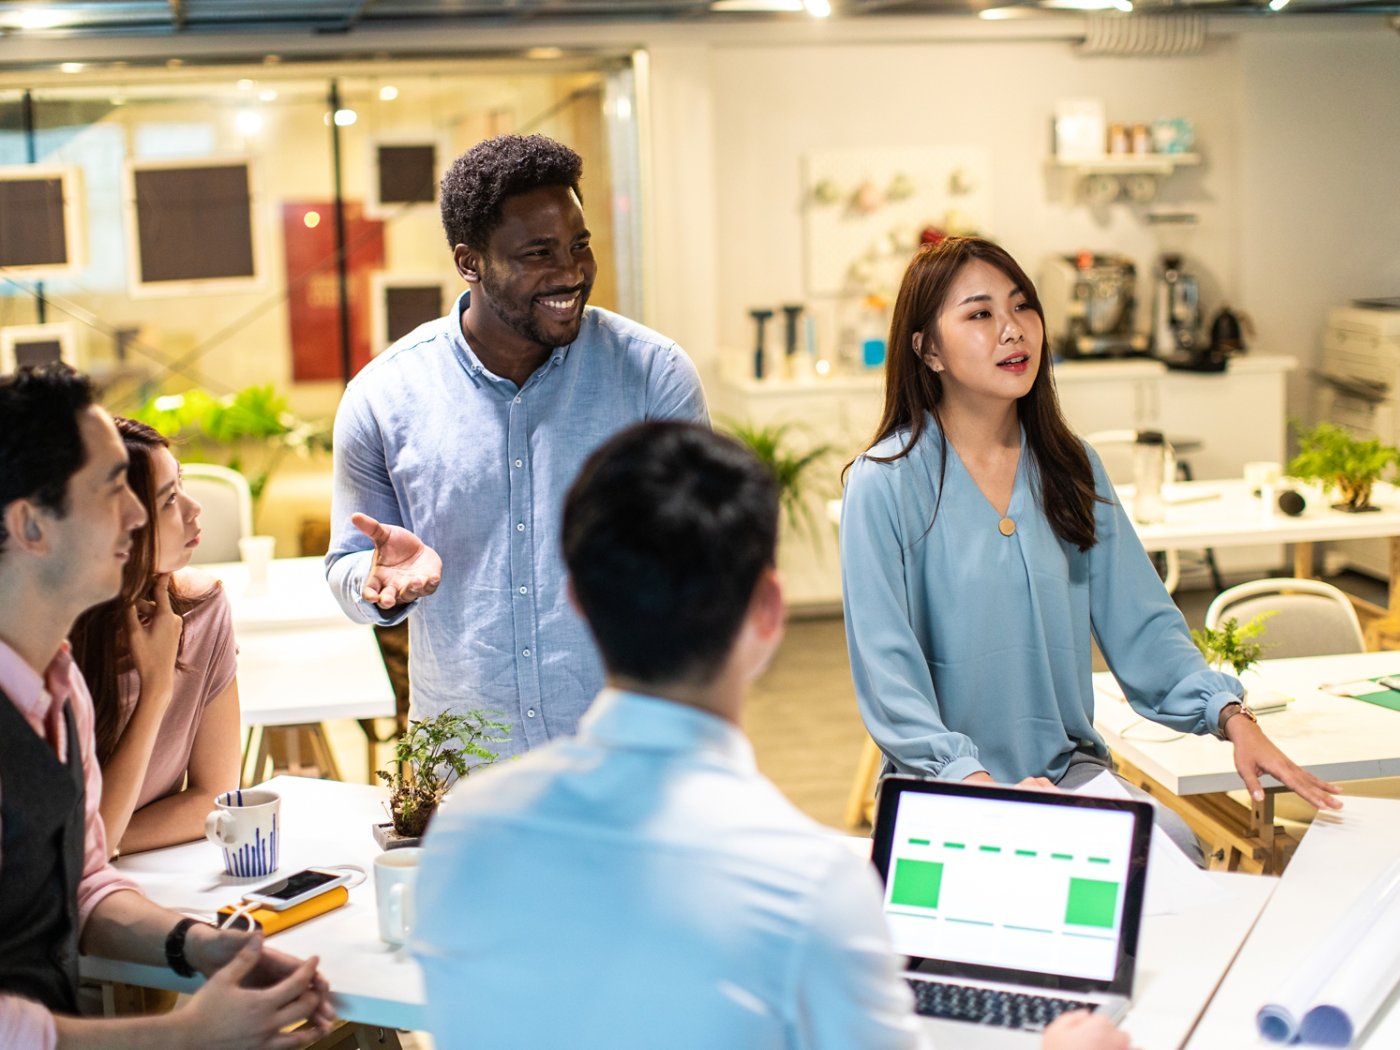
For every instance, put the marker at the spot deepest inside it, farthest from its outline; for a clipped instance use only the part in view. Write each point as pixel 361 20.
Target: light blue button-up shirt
pixel 644 886
pixel 970 650
pixel 476 467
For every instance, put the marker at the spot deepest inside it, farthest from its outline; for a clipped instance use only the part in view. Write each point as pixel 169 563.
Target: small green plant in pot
pixel 1231 644
pixel 791 466
pixel 1330 455
pixel 429 758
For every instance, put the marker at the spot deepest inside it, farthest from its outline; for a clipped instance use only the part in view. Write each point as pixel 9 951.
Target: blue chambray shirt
pixel 427 438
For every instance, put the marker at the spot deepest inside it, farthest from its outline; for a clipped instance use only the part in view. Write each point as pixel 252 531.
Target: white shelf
pixel 1129 163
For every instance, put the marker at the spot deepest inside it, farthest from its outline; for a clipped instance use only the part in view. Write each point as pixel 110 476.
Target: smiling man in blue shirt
pixel 453 448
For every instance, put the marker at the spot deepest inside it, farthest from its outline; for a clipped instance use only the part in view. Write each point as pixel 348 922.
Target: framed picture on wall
pixel 399 303
pixel 42 220
pixel 403 172
pixel 191 227
pixel 38 344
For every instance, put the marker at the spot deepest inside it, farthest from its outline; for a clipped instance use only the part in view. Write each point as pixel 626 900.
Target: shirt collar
pixel 34 694
pixel 473 364
pixel 650 723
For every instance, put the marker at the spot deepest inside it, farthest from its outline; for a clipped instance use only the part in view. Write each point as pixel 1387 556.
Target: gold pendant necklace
pixel 1006 527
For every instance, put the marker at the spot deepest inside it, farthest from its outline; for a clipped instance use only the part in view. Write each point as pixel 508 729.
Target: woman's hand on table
pixel 404 567
pixel 1082 1030
pixel 251 996
pixel 1256 754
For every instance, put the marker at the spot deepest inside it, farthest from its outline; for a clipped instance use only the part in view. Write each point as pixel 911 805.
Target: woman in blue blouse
pixel 981 549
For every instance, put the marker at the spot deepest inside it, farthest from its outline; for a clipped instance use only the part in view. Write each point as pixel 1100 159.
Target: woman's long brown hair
pixel 914 391
pixel 100 640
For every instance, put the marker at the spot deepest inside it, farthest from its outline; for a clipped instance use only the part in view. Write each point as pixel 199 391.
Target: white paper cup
pixel 256 552
pixel 395 872
pixel 1259 473
pixel 246 826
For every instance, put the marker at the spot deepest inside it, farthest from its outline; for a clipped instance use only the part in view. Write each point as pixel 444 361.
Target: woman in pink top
pixel 159 660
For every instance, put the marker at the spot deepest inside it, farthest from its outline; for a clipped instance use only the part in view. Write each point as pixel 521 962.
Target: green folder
pixel 1384 697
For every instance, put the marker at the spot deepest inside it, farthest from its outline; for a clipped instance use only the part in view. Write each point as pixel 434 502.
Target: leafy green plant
pixel 1231 643
pixel 249 431
pixel 792 467
pixel 1330 455
pixel 430 756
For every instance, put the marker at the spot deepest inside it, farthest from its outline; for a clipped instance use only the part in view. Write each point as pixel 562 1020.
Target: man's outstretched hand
pixel 404 567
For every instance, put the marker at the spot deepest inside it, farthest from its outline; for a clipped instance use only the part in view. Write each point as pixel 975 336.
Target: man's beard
pixel 524 323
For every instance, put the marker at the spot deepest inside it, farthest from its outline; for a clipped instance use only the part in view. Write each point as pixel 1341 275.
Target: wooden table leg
pixel 862 792
pixel 351 1035
pixel 1303 560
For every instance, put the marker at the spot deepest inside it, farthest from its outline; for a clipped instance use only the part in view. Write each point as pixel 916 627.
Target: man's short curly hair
pixel 479 181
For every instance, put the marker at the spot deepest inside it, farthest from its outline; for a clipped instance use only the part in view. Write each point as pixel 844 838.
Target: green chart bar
pixel 1092 902
pixel 916 883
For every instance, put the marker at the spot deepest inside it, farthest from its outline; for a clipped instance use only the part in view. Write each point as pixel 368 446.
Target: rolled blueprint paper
pixel 1336 992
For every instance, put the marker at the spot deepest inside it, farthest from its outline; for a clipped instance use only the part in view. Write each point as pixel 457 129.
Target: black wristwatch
pixel 175 948
pixel 1240 708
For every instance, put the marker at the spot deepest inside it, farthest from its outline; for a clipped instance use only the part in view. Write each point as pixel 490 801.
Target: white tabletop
pixel 296 595
pixel 324 822
pixel 1338 859
pixel 1182 956
pixel 310 675
pixel 1338 738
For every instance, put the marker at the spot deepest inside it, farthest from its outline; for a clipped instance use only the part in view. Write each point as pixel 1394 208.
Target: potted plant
pixel 792 468
pixel 1238 647
pixel 1328 454
pixel 429 759
pixel 249 431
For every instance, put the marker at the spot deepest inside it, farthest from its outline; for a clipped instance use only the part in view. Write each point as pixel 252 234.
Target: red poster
pixel 313 285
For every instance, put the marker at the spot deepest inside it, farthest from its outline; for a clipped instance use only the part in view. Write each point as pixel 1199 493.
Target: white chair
pixel 228 510
pixel 1311 618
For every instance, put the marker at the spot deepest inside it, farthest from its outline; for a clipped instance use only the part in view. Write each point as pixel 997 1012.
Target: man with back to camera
pixel 66 517
pixel 642 885
pixel 453 449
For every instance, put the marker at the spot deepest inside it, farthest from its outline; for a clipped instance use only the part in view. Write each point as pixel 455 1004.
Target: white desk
pixel 301 661
pixel 1182 957
pixel 1338 860
pixel 324 822
pixel 1337 738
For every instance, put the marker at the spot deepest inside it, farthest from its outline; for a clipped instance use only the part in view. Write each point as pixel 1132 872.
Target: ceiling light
pixel 345 117
pixel 1126 6
pixel 388 93
pixel 246 85
pixel 38 18
pixel 1001 14
pixel 71 67
pixel 1277 5
pixel 267 95
pixel 1080 5
pixel 248 121
pixel 756 5
pixel 544 52
pixel 311 220
pixel 818 8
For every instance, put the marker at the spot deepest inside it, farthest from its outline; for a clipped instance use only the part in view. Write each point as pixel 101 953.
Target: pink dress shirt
pixel 25 1024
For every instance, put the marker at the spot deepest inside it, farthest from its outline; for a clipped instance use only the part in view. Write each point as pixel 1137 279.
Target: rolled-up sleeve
pixel 893 683
pixel 1141 632
pixel 25 1025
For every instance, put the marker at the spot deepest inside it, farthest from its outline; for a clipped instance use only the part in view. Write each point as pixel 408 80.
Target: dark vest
pixel 42 820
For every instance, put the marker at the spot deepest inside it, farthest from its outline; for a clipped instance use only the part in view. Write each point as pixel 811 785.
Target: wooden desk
pixel 1337 738
pixel 1182 957
pixel 1339 858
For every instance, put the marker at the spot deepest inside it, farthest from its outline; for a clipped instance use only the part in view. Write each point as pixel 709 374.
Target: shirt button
pixel 519 462
pixel 519 526
pixel 519 399
pixel 530 713
pixel 525 590
pixel 524 652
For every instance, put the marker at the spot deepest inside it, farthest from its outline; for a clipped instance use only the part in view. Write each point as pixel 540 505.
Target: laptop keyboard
pixel 989 1005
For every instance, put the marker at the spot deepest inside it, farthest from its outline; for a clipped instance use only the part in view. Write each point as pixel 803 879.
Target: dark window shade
pixel 194 224
pixel 405 308
pixel 407 174
pixel 38 352
pixel 32 224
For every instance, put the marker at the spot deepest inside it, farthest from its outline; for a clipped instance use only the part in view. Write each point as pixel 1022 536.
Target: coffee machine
pixel 1177 338
pixel 1090 306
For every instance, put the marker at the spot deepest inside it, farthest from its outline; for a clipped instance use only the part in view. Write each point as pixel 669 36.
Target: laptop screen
pixel 1035 887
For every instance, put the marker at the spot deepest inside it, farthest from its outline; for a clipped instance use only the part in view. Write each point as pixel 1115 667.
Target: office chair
pixel 1311 618
pixel 228 510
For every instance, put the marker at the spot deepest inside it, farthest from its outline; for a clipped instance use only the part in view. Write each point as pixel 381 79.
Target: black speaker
pixel 1291 503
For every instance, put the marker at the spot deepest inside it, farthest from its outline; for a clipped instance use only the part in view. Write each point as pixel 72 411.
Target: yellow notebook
pixel 270 921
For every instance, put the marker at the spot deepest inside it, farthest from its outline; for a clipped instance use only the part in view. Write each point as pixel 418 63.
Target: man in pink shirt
pixel 66 516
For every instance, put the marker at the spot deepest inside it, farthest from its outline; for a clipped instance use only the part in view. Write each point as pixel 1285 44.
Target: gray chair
pixel 1311 618
pixel 228 510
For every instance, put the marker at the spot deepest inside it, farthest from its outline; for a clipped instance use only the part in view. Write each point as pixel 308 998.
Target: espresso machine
pixel 1177 338
pixel 1090 306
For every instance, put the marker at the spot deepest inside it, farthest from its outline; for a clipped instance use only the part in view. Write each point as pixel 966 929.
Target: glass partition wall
pixel 231 226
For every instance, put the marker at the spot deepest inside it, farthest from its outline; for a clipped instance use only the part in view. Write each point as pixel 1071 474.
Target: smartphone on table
pixel 294 889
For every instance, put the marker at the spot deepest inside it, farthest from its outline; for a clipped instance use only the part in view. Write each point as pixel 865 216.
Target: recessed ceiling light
pixel 248 121
pixel 246 85
pixel 818 8
pixel 38 18
pixel 267 95
pixel 1002 14
pixel 388 93
pixel 756 5
pixel 71 67
pixel 544 52
pixel 1277 5
pixel 345 117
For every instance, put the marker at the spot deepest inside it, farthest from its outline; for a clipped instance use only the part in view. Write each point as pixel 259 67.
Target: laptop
pixel 1011 905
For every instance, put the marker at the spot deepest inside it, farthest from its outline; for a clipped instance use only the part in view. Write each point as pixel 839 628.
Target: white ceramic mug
pixel 246 825
pixel 395 872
